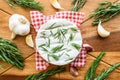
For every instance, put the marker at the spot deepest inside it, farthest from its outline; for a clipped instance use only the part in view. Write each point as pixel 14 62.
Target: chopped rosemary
pixel 48 57
pixel 43 35
pixel 71 37
pixel 48 42
pixel 68 50
pixel 74 29
pixel 69 59
pixel 60 35
pixel 51 33
pixel 57 26
pixel 57 48
pixel 44 49
pixel 77 46
pixel 51 27
pixel 41 45
pixel 55 57
pixel 67 54
pixel 26 4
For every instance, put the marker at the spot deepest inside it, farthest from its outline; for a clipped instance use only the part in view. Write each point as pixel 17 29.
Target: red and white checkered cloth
pixel 39 19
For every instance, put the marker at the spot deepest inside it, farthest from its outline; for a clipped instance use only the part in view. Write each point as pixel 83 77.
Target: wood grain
pixel 89 34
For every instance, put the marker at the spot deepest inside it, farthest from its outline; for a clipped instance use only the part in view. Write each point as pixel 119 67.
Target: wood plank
pixel 28 70
pixel 90 35
pixel 19 41
pixel 82 71
pixel 110 57
pixel 91 5
pixel 49 10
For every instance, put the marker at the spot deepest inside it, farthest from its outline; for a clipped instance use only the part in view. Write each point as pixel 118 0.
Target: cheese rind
pixel 59 41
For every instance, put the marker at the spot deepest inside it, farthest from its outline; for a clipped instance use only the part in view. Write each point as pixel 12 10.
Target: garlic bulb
pixel 102 32
pixel 19 25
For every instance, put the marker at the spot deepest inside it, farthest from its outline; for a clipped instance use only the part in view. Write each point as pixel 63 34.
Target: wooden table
pixel 111 44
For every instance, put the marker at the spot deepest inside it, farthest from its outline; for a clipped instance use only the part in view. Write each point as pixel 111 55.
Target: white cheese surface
pixel 59 41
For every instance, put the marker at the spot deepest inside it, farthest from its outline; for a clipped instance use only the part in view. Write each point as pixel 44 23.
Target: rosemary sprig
pixel 44 75
pixel 77 46
pixel 10 53
pixel 26 4
pixel 104 74
pixel 78 4
pixel 105 12
pixel 92 70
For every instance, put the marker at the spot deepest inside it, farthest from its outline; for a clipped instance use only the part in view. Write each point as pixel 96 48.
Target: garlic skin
pixel 102 32
pixel 19 25
pixel 55 4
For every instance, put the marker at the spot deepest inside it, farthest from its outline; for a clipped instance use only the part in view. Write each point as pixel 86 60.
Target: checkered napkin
pixel 76 17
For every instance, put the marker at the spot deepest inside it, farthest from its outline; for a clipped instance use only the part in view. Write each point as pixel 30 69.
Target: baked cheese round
pixel 59 41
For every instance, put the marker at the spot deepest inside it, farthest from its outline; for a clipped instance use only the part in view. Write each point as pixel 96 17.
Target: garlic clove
pixel 55 4
pixel 74 71
pixel 13 35
pixel 29 40
pixel 102 32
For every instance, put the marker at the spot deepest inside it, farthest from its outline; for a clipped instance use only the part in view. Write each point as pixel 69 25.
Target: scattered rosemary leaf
pixel 45 74
pixel 77 46
pixel 26 4
pixel 57 48
pixel 104 74
pixel 92 70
